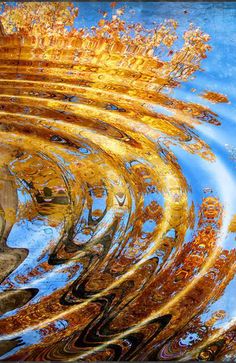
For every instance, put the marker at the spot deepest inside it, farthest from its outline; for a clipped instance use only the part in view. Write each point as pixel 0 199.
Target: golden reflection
pixel 88 123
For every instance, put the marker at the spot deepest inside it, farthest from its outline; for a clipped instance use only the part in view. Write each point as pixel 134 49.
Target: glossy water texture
pixel 117 181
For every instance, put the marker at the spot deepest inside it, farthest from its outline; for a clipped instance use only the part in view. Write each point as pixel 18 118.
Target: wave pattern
pixel 105 253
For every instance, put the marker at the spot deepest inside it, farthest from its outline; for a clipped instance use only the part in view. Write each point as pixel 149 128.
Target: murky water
pixel 117 182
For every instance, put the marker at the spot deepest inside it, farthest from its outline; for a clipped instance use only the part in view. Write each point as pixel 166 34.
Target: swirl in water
pixel 108 250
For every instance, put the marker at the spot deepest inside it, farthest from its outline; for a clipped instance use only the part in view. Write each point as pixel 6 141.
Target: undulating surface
pixel 117 181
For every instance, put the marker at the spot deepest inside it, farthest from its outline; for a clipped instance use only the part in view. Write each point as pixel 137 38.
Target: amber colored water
pixel 114 232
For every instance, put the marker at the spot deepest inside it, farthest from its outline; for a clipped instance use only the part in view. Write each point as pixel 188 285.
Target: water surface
pixel 117 181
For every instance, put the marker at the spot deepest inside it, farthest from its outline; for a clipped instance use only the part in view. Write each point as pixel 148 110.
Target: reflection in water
pixel 107 252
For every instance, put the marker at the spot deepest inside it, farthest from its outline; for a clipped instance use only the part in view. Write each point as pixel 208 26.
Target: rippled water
pixel 117 183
